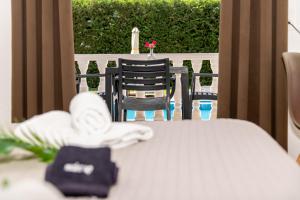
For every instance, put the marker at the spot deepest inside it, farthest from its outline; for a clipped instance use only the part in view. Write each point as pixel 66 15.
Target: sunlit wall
pixel 5 61
pixel 294 17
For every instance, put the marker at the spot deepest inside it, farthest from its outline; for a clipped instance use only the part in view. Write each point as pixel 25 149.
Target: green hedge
pixel 179 26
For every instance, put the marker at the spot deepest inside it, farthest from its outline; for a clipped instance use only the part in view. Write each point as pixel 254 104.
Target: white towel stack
pixel 88 125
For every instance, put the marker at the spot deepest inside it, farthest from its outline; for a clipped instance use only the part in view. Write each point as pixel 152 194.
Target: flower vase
pixel 151 55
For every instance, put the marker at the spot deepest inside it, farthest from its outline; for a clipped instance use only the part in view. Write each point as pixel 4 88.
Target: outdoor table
pixel 110 73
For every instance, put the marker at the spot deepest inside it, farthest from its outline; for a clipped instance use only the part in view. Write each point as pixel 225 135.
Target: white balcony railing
pixel 196 59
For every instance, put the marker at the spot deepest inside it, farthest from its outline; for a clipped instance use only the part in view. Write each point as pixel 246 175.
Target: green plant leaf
pixel 42 151
pixel 6 146
pixel 4 183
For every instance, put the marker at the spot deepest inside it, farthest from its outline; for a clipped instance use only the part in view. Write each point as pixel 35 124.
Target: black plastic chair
pixel 197 95
pixel 143 75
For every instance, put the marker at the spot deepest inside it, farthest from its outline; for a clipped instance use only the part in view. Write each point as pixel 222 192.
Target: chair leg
pixel 116 107
pixel 191 108
pixel 119 113
pixel 125 115
pixel 168 113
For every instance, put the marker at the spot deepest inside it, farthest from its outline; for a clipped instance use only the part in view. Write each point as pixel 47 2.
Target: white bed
pixel 192 160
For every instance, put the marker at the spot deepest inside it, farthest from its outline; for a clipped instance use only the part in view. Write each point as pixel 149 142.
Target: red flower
pixel 150 45
pixel 147 44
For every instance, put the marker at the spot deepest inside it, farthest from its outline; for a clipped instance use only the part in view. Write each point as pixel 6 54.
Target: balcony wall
pixel 177 59
pixel 5 57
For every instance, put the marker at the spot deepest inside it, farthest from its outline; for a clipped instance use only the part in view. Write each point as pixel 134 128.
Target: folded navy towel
pixel 80 171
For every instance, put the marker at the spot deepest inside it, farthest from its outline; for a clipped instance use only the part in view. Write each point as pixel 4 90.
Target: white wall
pixel 294 46
pixel 294 17
pixel 5 58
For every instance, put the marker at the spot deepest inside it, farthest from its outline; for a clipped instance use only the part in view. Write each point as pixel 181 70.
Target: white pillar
pixel 159 115
pixel 140 115
pixel 102 64
pixel 83 66
pixel 196 64
pixel 294 17
pixel 177 95
pixel 6 63
pixel 215 68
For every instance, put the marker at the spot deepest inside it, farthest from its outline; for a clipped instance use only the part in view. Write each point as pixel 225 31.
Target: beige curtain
pixel 43 56
pixel 252 85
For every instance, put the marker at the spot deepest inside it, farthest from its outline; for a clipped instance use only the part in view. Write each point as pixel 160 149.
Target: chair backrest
pixel 144 75
pixel 292 66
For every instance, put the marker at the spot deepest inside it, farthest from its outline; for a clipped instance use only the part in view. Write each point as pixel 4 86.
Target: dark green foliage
pixel 93 82
pixel 179 26
pixel 188 64
pixel 206 68
pixel 77 68
pixel 111 64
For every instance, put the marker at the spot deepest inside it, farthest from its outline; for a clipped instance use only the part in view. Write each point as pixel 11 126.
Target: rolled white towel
pixel 90 114
pixel 53 128
pixel 92 120
pixel 88 125
pixel 120 135
pixel 124 134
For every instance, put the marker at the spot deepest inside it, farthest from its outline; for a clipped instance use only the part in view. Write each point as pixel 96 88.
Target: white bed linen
pixel 193 160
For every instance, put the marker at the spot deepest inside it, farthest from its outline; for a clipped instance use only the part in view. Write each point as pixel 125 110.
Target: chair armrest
pixel 89 75
pixel 205 74
pixel 194 75
pixel 193 85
